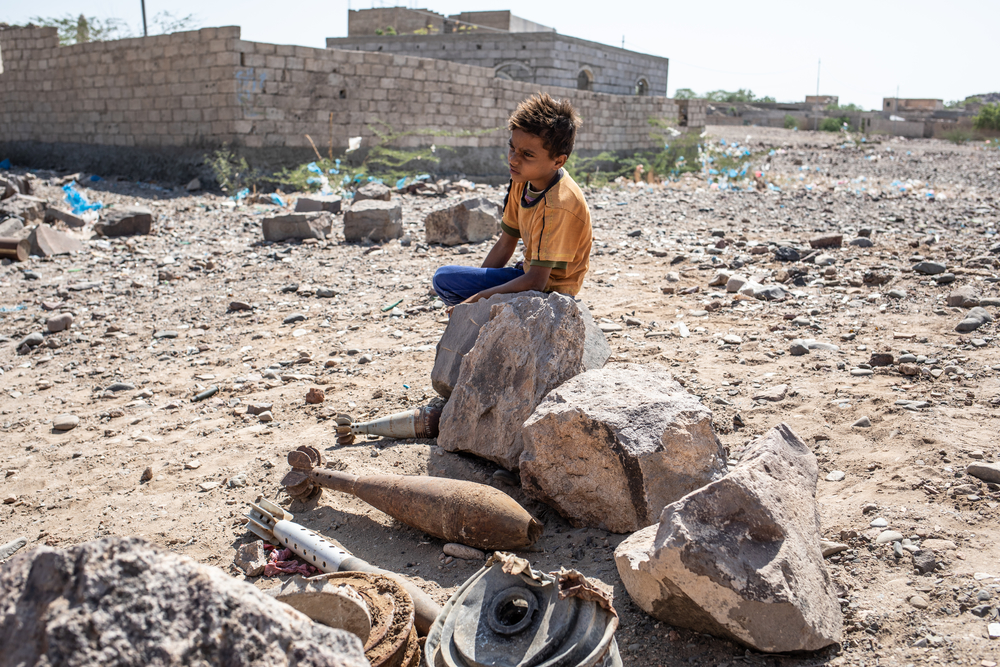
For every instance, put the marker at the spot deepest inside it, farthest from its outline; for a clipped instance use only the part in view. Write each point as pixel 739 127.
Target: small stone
pixel 251 558
pixel 827 241
pixel 732 340
pixel 193 464
pixel 918 602
pixel 60 322
pixel 120 386
pixel 609 327
pixel 896 294
pixel 773 394
pixel 786 254
pixel 293 318
pixel 208 486
pixel 65 422
pixel 236 306
pixel 862 242
pixel 266 417
pixel 12 547
pixel 994 630
pixel 924 561
pixel 864 422
pixel 887 536
pixel 31 340
pixel 315 395
pixel 988 472
pixel 798 349
pixel 146 475
pixel 963 297
pixel 463 552
pixel 166 333
pixel 835 476
pixel 862 372
pixel 325 293
pixel 238 481
pixel 974 319
pixel 831 548
pixel 909 369
pixel 945 278
pixel 880 359
pixel 929 268
pixel 258 408
pixel 879 523
pixel 365 359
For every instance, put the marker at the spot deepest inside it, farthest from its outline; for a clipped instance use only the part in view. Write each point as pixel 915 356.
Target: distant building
pixel 823 100
pixel 899 104
pixel 514 48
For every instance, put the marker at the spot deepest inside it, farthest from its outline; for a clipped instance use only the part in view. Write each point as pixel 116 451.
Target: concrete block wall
pixel 169 90
pixel 199 90
pixel 547 59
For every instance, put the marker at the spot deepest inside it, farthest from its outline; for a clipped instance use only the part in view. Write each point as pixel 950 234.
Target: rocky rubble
pixel 202 302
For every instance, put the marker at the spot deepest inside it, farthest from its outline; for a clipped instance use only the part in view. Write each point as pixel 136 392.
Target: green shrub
pixel 231 171
pixel 958 136
pixel 988 117
pixel 833 124
pixel 791 122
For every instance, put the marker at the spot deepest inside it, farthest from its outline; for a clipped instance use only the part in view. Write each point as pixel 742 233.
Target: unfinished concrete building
pixel 514 48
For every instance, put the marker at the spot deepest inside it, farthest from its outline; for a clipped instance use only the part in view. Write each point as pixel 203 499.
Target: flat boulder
pixel 741 558
pixel 297 227
pixel 470 221
pixel 121 601
pixel 48 242
pixel 529 346
pixel 318 203
pixel 125 221
pixel 26 207
pixel 373 220
pixel 612 446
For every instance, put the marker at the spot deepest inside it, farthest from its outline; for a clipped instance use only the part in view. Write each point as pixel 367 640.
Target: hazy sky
pixel 928 49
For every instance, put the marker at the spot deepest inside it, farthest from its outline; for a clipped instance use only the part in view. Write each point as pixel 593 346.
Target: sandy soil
pixel 62 488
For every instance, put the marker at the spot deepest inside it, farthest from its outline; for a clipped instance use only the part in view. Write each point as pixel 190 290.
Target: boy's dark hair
pixel 554 121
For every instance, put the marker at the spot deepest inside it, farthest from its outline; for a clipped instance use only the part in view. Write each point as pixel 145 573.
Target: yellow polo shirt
pixel 555 229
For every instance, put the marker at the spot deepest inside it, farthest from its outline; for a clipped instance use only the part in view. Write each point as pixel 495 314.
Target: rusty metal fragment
pixel 473 514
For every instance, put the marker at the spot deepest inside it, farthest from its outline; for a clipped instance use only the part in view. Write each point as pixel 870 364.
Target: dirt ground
pixel 63 488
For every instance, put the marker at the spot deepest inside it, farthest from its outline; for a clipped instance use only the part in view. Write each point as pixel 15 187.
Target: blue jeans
pixel 455 284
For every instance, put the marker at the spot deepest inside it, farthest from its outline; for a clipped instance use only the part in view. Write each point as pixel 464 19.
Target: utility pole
pixel 145 31
pixel 819 65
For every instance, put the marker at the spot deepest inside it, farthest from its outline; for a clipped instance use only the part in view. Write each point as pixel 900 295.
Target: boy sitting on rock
pixel 544 208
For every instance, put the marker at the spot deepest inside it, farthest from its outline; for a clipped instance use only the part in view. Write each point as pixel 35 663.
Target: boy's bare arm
pixel 501 252
pixel 535 278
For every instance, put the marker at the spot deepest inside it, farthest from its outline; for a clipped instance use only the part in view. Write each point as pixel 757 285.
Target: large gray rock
pixel 975 318
pixel 297 227
pixel 459 336
pixel 373 192
pixel 125 221
pixel 611 447
pixel 121 601
pixel 11 227
pixel 470 221
pixel 48 242
pixel 530 345
pixel 740 558
pixel 373 220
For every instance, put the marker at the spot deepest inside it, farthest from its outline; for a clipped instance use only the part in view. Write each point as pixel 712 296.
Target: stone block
pixel 372 191
pixel 611 447
pixel 125 221
pixel 470 221
pixel 26 207
pixel 312 203
pixel 48 242
pixel 66 217
pixel 373 220
pixel 297 226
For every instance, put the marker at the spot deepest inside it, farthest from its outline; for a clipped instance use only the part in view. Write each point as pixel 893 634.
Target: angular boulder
pixel 48 242
pixel 740 558
pixel 296 227
pixel 53 214
pixel 530 345
pixel 611 447
pixel 459 337
pixel 313 203
pixel 964 297
pixel 11 227
pixel 121 601
pixel 373 220
pixel 975 318
pixel 125 221
pixel 470 221
pixel 373 192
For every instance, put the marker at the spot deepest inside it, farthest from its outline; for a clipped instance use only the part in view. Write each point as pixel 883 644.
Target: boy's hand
pixel 472 299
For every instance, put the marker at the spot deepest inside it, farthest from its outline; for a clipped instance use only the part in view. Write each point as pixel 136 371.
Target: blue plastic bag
pixel 78 201
pixel 94 178
pixel 312 166
pixel 276 199
pixel 401 183
pixel 242 194
pixel 5 164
